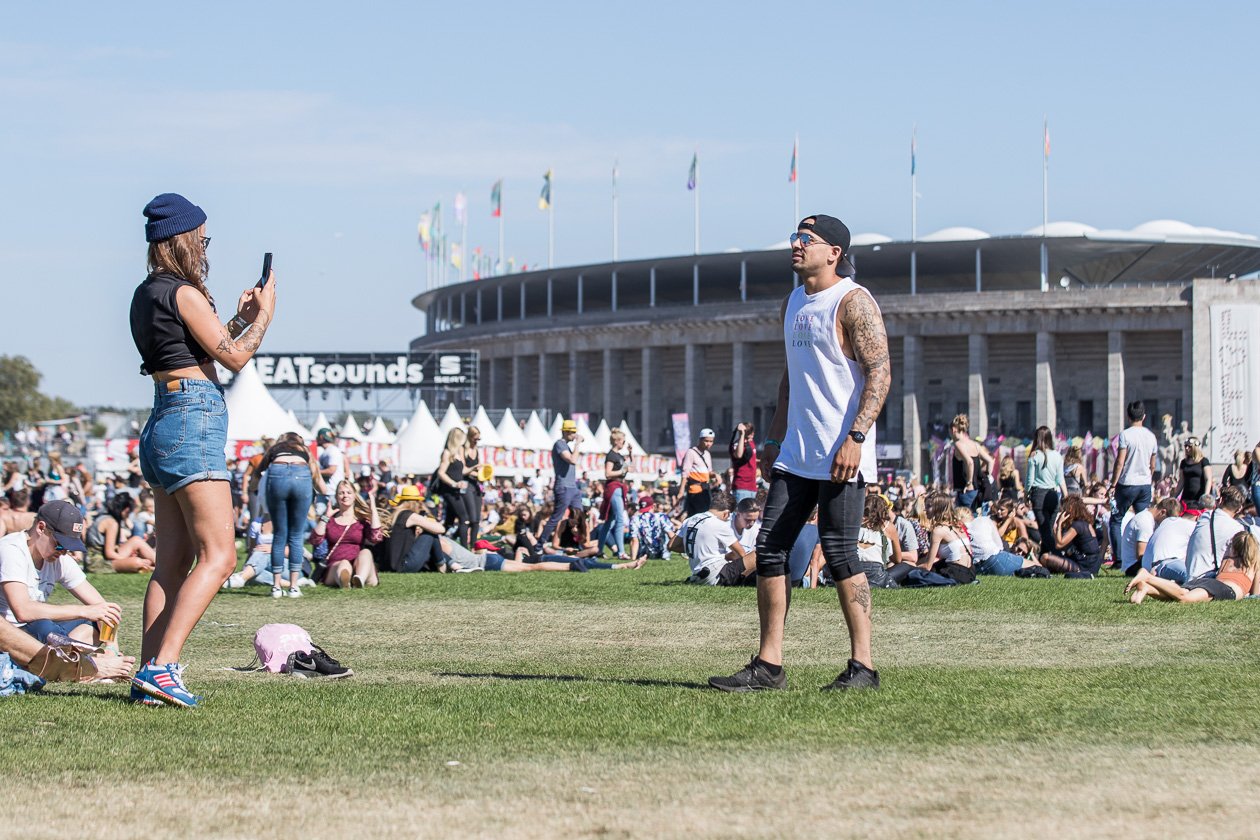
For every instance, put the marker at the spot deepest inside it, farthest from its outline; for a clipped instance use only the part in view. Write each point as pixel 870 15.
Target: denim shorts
pixel 1003 563
pixel 186 436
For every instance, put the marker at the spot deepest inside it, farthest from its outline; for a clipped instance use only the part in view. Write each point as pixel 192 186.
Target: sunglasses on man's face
pixel 806 239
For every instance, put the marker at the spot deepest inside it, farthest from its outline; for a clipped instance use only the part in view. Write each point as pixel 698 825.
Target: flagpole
pixel 914 211
pixel 614 209
pixel 1045 200
pixel 551 222
pixel 796 181
pixel 502 261
pixel 696 198
pixel 463 248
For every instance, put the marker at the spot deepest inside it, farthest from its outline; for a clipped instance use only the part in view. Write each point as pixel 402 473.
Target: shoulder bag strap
pixel 1212 530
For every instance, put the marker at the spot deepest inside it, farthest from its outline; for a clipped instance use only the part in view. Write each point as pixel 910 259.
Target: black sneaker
pixel 317 664
pixel 856 675
pixel 752 677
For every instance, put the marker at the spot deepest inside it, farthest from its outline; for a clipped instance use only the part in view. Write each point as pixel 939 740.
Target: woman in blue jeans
pixel 293 478
pixel 612 531
pixel 179 336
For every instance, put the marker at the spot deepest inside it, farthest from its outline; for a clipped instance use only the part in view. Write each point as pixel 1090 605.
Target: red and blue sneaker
pixel 165 683
pixel 141 699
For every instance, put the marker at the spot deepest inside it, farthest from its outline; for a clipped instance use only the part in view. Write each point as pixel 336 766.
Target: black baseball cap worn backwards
pixel 833 232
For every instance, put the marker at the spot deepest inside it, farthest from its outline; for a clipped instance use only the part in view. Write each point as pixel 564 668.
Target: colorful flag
pixel 691 176
pixel 792 174
pixel 1046 134
pixel 461 207
pixel 912 151
pixel 426 235
pixel 496 199
pixel 437 219
pixel 544 198
pixel 457 255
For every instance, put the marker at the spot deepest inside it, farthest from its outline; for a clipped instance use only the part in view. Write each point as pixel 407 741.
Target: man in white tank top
pixel 820 448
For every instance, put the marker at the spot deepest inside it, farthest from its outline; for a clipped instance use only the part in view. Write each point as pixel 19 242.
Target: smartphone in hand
pixel 266 270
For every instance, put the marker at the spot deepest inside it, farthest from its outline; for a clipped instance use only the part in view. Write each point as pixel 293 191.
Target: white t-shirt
pixel 1171 541
pixel 1140 443
pixel 706 539
pixel 748 539
pixel 985 539
pixel 1136 528
pixel 330 456
pixel 1199 558
pixel 16 564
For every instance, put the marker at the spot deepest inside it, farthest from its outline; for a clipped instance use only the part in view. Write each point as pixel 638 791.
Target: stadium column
pixel 977 376
pixel 741 363
pixel 693 383
pixel 614 383
pixel 1115 383
pixel 912 428
pixel 1045 380
pixel 650 433
pixel 547 376
pixel 518 383
pixel 489 394
pixel 579 382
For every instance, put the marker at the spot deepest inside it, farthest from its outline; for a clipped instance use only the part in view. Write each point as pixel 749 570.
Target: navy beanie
pixel 170 214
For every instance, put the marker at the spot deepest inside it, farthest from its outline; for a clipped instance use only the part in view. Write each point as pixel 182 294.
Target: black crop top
pixel 161 336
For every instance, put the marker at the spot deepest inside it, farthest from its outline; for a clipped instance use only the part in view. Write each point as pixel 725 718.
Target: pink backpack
pixel 275 643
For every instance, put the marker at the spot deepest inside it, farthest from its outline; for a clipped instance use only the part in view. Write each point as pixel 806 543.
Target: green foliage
pixel 20 398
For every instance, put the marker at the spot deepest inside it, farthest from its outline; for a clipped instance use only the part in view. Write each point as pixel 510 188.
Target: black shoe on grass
pixel 752 677
pixel 855 676
pixel 318 664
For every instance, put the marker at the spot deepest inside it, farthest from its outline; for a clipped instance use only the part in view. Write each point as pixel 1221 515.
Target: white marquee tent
pixel 536 434
pixel 252 412
pixel 510 432
pixel 489 434
pixel 419 444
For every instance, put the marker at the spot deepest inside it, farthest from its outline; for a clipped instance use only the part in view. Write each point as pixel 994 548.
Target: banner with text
pixel 1235 372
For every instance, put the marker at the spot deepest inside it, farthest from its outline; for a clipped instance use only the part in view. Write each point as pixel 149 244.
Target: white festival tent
pixel 380 433
pixel 603 436
pixel 489 434
pixel 510 432
pixel 536 434
pixel 295 425
pixel 450 420
pixel 401 427
pixel 350 429
pixel 588 446
pixel 321 422
pixel 252 412
pixel 419 444
pixel 631 440
pixel 556 423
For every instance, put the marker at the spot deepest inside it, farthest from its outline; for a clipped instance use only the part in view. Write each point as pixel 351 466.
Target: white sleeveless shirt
pixel 825 386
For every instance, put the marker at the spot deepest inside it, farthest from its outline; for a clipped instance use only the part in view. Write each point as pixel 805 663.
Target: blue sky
pixel 321 131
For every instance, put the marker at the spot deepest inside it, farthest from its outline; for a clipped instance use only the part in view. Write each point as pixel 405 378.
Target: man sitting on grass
pixel 712 549
pixel 1236 579
pixel 1212 532
pixel 651 529
pixel 1165 553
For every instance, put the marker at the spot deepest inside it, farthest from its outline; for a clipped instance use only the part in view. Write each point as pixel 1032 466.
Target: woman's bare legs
pixel 365 568
pixel 195 524
pixel 339 574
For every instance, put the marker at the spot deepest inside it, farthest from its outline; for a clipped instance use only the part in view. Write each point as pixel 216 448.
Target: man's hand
pixel 768 455
pixel 845 466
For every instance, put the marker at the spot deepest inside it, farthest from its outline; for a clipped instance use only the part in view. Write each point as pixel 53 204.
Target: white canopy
pixel 252 412
pixel 380 432
pixel 603 436
pixel 321 422
pixel 401 427
pixel 510 432
pixel 350 429
pixel 557 423
pixel 419 444
pixel 588 446
pixel 536 434
pixel 489 434
pixel 631 440
pixel 450 420
pixel 295 425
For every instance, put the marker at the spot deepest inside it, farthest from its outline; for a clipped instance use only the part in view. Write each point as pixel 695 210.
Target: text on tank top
pixel 825 386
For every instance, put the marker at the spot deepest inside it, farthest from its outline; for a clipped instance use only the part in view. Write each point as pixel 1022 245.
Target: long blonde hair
pixel 455 442
pixel 184 256
pixel 362 510
pixel 1245 550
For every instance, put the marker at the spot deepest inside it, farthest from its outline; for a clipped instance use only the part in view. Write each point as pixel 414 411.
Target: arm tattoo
pixel 864 324
pixel 249 340
pixel 862 596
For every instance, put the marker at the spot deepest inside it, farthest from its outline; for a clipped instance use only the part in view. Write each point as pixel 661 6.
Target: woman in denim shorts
pixel 177 331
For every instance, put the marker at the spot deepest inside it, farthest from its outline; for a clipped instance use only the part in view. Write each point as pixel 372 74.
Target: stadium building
pixel 1157 313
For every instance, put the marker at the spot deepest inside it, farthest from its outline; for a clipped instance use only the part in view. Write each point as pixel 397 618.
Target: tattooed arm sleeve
pixel 864 326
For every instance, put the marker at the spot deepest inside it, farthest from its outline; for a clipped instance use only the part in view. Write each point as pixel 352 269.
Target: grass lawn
pixel 545 705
